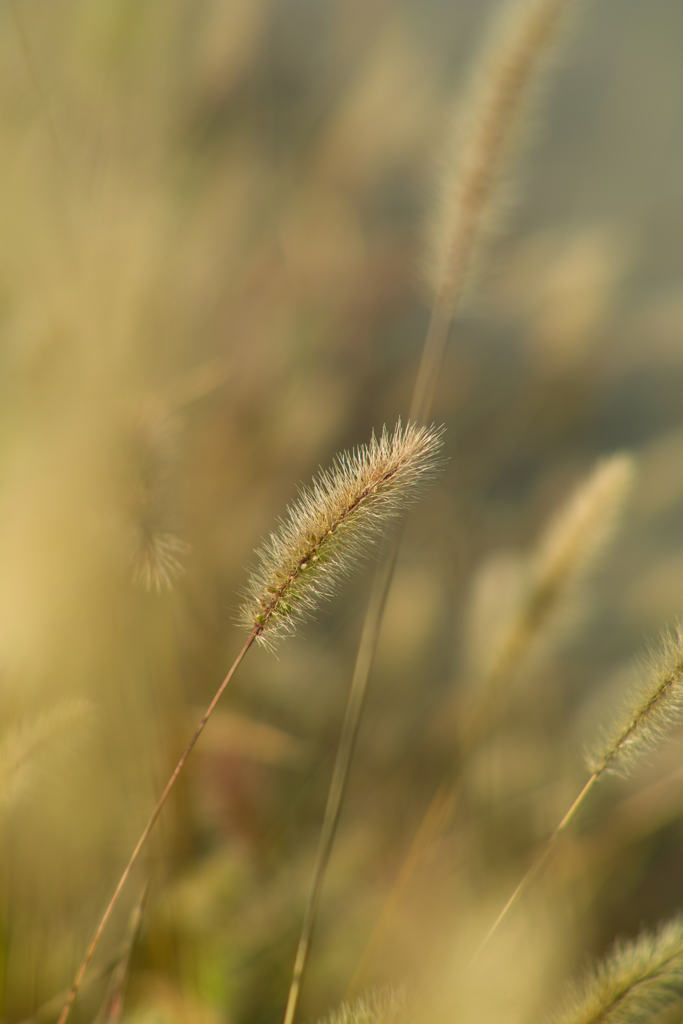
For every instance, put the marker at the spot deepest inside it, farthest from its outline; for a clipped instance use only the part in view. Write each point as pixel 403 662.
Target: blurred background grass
pixel 212 217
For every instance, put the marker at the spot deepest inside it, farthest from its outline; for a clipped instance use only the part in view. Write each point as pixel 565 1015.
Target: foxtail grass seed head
pixel 655 708
pixel 152 450
pixel 157 563
pixel 584 525
pixel 386 1006
pixel 541 589
pixel 485 129
pixel 636 982
pixel 333 522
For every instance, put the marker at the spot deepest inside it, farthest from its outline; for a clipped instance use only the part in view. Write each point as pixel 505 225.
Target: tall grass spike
pixel 634 984
pixel 656 709
pixel 334 521
pixel 486 128
pixel 563 557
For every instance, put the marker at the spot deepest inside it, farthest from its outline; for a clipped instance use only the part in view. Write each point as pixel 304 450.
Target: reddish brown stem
pixel 73 992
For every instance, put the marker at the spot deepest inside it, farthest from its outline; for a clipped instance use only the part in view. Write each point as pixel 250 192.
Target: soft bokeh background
pixel 212 216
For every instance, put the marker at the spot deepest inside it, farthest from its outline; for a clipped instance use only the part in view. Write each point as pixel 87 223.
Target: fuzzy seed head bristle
pixel 485 130
pixel 157 564
pixel 634 984
pixel 333 522
pixel 156 552
pixel 383 1007
pixel 583 526
pixel 655 707
pixel 533 594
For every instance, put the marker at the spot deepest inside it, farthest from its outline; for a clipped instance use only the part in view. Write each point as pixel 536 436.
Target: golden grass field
pixel 217 224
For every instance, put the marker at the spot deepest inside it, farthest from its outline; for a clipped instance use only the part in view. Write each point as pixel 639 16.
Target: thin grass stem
pixel 94 942
pixel 53 1005
pixel 432 824
pixel 344 510
pixel 112 1007
pixel 538 863
pixel 430 364
pixel 340 774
